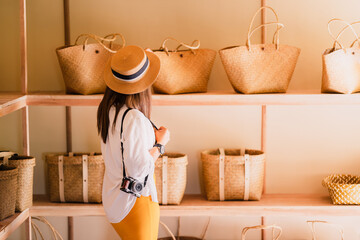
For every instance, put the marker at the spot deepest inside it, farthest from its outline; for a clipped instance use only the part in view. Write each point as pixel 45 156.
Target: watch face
pixel 162 149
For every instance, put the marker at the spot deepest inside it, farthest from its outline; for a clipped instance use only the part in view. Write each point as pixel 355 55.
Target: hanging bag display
pixel 184 71
pixel 260 68
pixel 313 232
pixel 170 174
pixel 83 65
pixel 25 166
pixel 273 227
pixel 233 174
pixel 343 188
pixel 179 237
pixel 75 177
pixel 341 66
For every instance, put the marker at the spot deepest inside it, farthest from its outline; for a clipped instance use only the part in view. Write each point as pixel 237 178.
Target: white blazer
pixel 139 138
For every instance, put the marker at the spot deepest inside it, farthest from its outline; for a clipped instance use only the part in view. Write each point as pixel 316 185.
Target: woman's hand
pixel 162 135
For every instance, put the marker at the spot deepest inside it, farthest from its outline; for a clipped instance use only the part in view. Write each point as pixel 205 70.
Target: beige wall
pixel 305 143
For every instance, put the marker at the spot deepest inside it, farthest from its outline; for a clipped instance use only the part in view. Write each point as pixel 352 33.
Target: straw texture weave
pixel 343 189
pixel 25 166
pixel 176 177
pixel 261 69
pixel 73 186
pixel 341 70
pixel 184 71
pixel 8 188
pixel 234 172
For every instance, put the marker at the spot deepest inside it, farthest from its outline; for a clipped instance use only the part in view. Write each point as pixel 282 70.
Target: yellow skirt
pixel 142 222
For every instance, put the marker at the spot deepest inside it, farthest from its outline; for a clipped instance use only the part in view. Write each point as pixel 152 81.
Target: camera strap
pixel 122 144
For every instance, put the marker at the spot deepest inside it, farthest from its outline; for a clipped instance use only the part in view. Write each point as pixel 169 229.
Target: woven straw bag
pixel 261 68
pixel 313 232
pixel 179 237
pixel 343 189
pixel 170 173
pixel 8 188
pixel 273 227
pixel 75 177
pixel 229 175
pixel 83 65
pixel 25 166
pixel 341 67
pixel 184 71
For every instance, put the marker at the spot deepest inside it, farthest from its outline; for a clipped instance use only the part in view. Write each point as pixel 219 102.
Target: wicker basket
pixel 170 190
pixel 81 177
pixel 25 166
pixel 8 186
pixel 343 189
pixel 232 185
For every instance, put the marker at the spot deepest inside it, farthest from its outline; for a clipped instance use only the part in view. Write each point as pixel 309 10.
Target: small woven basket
pixel 73 177
pixel 234 174
pixel 25 166
pixel 8 187
pixel 343 189
pixel 173 166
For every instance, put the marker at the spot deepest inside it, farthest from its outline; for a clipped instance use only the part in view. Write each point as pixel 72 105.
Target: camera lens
pixel 138 187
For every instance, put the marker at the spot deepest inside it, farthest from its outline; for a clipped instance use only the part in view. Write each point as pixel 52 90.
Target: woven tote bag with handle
pixel 343 188
pixel 259 227
pixel 179 237
pixel 184 71
pixel 75 177
pixel 83 65
pixel 8 189
pixel 313 231
pixel 170 174
pixel 229 174
pixel 25 166
pixel 260 68
pixel 341 66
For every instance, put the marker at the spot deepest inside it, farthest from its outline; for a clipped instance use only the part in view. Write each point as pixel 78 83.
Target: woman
pixel 128 144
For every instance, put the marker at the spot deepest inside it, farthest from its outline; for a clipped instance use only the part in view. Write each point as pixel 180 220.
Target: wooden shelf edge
pixel 10 224
pixel 210 98
pixel 197 205
pixel 11 103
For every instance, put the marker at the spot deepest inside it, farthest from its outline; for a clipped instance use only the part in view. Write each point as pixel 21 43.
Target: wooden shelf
pixel 10 102
pixel 10 224
pixel 209 98
pixel 196 205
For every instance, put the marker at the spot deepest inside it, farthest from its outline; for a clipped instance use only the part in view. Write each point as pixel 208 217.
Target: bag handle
pixel 194 45
pixel 56 235
pixel 6 156
pixel 273 227
pixel 276 34
pixel 178 229
pixel 312 226
pixel 348 25
pixel 101 40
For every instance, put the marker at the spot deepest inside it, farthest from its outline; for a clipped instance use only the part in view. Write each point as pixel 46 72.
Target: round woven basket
pixel 25 166
pixel 234 173
pixel 73 181
pixel 176 177
pixel 343 188
pixel 8 188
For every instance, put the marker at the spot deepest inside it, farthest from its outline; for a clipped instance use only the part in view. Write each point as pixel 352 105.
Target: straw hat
pixel 131 70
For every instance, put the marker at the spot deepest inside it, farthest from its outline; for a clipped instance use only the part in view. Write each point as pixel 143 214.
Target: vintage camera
pixel 132 186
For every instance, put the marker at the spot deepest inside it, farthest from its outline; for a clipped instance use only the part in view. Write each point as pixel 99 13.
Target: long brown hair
pixel 140 101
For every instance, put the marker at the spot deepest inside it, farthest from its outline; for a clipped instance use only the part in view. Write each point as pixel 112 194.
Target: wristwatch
pixel 160 147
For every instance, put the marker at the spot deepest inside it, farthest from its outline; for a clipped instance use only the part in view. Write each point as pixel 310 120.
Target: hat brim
pixel 133 87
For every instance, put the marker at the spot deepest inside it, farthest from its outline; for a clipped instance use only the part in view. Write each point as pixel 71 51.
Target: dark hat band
pixel 132 77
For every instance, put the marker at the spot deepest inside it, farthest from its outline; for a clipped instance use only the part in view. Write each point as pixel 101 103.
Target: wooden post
pixel 263 112
pixel 67 108
pixel 28 228
pixel 23 48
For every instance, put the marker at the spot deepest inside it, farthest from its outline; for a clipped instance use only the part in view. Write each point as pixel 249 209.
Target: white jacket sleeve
pixel 138 160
